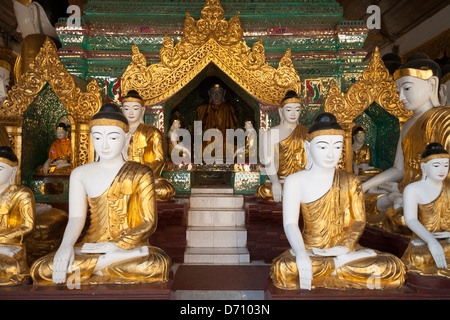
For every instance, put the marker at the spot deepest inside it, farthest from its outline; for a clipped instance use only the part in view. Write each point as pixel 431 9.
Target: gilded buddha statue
pixel 60 152
pixel 282 148
pixel 326 253
pixel 426 205
pixel 417 82
pixel 17 214
pixel 217 114
pixel 361 155
pixel 146 144
pixel 122 201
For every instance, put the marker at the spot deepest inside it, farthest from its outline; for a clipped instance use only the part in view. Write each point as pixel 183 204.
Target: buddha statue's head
pixel 110 133
pixel 392 62
pixel 62 131
pixel 217 94
pixel 359 134
pixel 444 89
pixel 5 71
pixel 8 166
pixel 248 125
pixel 434 162
pixel 133 108
pixel 290 108
pixel 324 142
pixel 417 82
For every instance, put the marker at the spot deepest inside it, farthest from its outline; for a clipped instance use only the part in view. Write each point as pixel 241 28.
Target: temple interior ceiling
pixel 397 17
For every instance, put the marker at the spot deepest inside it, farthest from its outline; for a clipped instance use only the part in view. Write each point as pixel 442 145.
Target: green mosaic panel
pixel 181 180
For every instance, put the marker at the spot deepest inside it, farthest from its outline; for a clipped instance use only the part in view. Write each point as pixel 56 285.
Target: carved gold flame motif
pixel 211 39
pixel 375 85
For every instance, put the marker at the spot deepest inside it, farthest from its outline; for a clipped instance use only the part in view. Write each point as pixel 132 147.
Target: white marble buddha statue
pixel 5 71
pixel 178 151
pixel 249 152
pixel 17 219
pixel 417 82
pixel 326 253
pixel 122 201
pixel 281 150
pixel 426 206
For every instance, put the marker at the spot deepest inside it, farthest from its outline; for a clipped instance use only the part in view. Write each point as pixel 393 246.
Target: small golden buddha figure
pixel 249 152
pixel 361 155
pixel 60 152
pixel 326 253
pixel 122 201
pixel 146 144
pixel 417 82
pixel 282 148
pixel 217 114
pixel 16 221
pixel 426 205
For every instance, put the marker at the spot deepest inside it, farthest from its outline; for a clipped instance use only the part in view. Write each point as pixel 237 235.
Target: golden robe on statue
pixel 60 149
pixel 291 159
pixel 146 147
pixel 432 126
pixel 16 225
pixel 338 219
pixel 435 217
pixel 126 215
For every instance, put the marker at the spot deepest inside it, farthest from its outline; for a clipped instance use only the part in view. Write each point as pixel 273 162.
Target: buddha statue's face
pixel 7 173
pixel 109 141
pixel 248 125
pixel 436 169
pixel 61 134
pixel 217 95
pixel 416 94
pixel 290 112
pixel 325 150
pixel 134 112
pixel 360 137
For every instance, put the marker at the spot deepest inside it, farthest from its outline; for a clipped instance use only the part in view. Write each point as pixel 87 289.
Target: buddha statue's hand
pixel 9 251
pixel 438 253
pixel 305 272
pixel 62 263
pixel 101 247
pixel 277 191
pixel 391 187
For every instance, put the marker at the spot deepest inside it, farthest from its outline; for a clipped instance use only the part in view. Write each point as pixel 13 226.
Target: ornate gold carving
pixel 375 84
pixel 47 68
pixel 211 39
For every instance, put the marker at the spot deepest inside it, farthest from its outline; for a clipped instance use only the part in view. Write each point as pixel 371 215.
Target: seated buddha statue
pixel 121 197
pixel 5 71
pixel 361 155
pixel 181 153
pixel 249 152
pixel 326 253
pixel 16 221
pixel 282 150
pixel 146 144
pixel 60 152
pixel 217 114
pixel 426 205
pixel 417 82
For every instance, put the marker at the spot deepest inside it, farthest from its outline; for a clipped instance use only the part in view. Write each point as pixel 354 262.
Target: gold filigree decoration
pixel 47 67
pixel 211 39
pixel 375 85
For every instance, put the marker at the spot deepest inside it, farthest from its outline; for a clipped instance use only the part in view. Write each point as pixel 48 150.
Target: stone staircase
pixel 216 232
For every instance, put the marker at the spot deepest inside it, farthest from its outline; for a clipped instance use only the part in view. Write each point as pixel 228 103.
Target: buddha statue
pixel 417 82
pixel 217 114
pixel 5 71
pixel 426 205
pixel 16 221
pixel 361 155
pixel 282 150
pixel 146 144
pixel 177 148
pixel 249 152
pixel 326 253
pixel 444 90
pixel 121 197
pixel 58 161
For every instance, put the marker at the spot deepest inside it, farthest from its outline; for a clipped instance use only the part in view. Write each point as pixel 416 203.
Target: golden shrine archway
pixel 211 39
pixel 47 68
pixel 375 85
